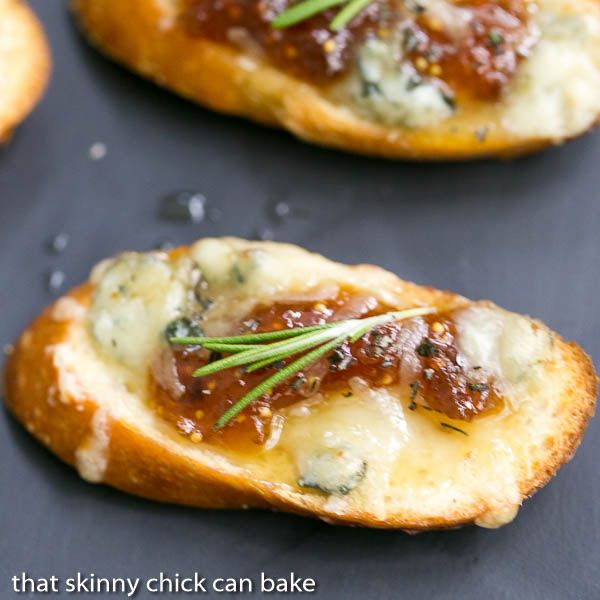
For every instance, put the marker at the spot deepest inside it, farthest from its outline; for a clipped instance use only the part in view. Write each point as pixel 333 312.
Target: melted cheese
pixel 505 346
pixel 455 20
pixel 338 437
pixel 249 272
pixel 91 458
pixel 135 298
pixel 394 93
pixel 556 92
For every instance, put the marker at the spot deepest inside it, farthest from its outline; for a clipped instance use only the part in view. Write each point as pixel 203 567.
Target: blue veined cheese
pixel 395 93
pixel 336 470
pixel 502 345
pixel 241 270
pixel 136 296
pixel 556 91
pixel 347 444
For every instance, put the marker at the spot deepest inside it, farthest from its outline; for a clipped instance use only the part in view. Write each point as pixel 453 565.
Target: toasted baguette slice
pixel 554 96
pixel 78 381
pixel 24 64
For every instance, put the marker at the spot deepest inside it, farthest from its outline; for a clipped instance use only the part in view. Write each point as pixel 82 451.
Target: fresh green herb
pixel 347 394
pixel 269 383
pixel 312 342
pixel 257 338
pixel 495 38
pixel 350 10
pixel 303 10
pixel 309 8
pixel 272 361
pixel 453 428
pixel 229 348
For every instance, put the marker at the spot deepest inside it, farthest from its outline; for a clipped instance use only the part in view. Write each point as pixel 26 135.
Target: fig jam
pixel 481 58
pixel 308 50
pixel 417 356
pixel 476 59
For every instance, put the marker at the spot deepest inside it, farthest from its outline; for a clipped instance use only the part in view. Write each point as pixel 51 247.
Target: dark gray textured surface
pixel 524 233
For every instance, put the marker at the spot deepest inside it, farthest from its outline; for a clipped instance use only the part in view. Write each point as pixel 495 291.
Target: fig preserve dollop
pixel 474 46
pixel 416 357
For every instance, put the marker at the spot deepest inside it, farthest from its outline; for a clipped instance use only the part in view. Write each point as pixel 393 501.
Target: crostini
pixel 408 79
pixel 235 374
pixel 24 64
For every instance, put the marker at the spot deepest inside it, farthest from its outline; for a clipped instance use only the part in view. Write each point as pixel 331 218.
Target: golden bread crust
pixel 61 418
pixel 138 34
pixel 24 61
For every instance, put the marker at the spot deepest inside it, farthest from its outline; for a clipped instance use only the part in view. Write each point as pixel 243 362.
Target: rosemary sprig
pixel 308 8
pixel 348 13
pixel 268 384
pixel 303 10
pixel 250 352
pixel 229 348
pixel 249 337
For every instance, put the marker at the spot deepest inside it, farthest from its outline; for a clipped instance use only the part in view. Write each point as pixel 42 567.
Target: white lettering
pixel 133 584
pixel 231 584
pixel 163 584
pixel 25 584
pixel 291 584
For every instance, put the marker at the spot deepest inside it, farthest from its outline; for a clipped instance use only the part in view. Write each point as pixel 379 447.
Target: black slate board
pixel 524 233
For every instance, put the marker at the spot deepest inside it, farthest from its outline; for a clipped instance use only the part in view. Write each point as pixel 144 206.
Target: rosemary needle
pixel 315 341
pixel 348 13
pixel 294 346
pixel 261 364
pixel 229 348
pixel 303 10
pixel 250 337
pixel 308 8
pixel 268 384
